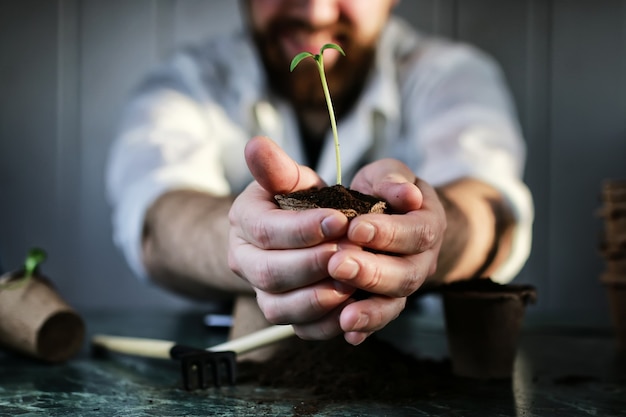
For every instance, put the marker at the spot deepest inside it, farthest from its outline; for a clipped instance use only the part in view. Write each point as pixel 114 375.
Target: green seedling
pixel 319 59
pixel 34 258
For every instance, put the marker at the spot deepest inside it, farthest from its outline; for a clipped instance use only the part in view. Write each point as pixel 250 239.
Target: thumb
pixel 393 181
pixel 274 170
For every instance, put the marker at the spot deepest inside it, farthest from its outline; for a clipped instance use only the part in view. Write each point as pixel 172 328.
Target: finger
pixel 257 220
pixel 304 305
pixel 402 196
pixel 410 233
pixel 420 228
pixel 391 180
pixel 325 328
pixel 362 318
pixel 277 271
pixel 356 338
pixel 275 170
pixel 379 273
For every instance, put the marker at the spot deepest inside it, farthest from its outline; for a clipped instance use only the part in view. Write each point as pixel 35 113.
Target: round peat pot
pixel 36 321
pixel 615 230
pixel 483 323
pixel 614 191
pixel 616 266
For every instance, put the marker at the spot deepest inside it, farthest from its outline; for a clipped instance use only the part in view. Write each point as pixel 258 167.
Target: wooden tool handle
pixel 160 349
pixel 150 348
pixel 255 340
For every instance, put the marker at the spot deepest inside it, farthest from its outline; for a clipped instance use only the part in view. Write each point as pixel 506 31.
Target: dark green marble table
pixel 559 371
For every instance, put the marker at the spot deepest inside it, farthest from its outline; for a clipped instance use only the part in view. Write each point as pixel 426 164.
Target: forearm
pixel 479 233
pixel 185 244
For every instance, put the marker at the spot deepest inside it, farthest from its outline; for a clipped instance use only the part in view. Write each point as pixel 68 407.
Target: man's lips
pixel 296 42
pixel 295 39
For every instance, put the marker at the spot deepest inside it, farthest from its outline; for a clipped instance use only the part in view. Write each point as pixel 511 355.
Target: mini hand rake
pixel 200 368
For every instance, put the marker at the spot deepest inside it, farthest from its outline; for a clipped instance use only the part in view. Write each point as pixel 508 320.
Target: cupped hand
pixel 388 255
pixel 284 254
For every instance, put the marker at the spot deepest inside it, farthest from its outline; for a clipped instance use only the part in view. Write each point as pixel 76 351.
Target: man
pixel 425 124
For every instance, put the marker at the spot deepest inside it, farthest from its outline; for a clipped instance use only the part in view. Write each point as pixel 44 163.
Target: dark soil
pixel 337 371
pixel 350 202
pixel 486 285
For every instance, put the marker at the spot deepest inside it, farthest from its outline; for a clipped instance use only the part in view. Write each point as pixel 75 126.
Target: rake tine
pixel 199 367
pixel 229 362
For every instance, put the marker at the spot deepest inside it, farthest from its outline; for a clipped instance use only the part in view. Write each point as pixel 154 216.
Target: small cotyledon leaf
pixel 296 59
pixel 333 46
pixel 34 258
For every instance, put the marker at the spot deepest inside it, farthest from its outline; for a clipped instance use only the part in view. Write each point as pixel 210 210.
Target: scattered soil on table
pixel 350 202
pixel 337 371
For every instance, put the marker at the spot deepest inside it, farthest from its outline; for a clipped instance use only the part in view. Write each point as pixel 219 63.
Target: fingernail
pixel 355 338
pixel 348 269
pixel 361 322
pixel 363 233
pixel 342 289
pixel 331 226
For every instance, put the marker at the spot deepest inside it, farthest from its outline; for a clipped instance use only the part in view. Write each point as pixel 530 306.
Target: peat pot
pixel 483 323
pixel 36 321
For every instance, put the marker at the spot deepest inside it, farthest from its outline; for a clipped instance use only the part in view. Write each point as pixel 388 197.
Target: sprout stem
pixel 333 123
pixel 319 59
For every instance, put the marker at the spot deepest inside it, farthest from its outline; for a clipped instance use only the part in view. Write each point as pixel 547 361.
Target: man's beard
pixel 303 88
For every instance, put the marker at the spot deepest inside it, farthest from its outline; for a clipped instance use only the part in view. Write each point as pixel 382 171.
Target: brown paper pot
pixel 615 230
pixel 614 257
pixel 616 292
pixel 616 266
pixel 36 321
pixel 614 191
pixel 613 211
pixel 483 323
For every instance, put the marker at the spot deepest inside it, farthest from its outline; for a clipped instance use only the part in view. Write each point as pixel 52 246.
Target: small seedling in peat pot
pixel 349 202
pixel 34 258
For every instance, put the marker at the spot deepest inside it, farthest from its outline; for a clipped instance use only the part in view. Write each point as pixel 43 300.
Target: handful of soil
pixel 350 202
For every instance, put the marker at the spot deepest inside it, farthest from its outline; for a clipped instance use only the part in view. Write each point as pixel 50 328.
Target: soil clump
pixel 350 202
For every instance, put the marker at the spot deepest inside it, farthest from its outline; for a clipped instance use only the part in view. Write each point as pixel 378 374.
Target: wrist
pixel 476 255
pixel 479 228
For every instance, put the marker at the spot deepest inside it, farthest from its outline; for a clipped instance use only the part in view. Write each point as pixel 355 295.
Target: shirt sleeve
pixel 468 128
pixel 161 145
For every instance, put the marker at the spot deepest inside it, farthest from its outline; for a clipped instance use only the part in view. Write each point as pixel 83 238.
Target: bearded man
pixel 212 135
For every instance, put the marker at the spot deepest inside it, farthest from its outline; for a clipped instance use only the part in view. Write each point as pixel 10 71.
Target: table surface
pixel 559 371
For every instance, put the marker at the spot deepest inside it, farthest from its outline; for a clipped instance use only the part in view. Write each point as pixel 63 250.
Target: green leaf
pixel 33 259
pixel 296 59
pixel 332 46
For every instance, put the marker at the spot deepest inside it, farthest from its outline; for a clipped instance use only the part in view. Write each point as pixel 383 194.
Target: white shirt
pixel 440 107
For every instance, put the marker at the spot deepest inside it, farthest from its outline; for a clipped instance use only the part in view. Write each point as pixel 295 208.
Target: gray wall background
pixel 67 65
